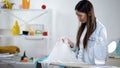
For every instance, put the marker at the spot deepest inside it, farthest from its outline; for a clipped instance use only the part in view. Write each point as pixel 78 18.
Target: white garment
pixel 80 55
pixel 60 53
pixel 97 46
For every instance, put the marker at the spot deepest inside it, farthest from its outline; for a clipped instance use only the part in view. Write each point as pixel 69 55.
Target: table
pixel 78 65
pixel 113 61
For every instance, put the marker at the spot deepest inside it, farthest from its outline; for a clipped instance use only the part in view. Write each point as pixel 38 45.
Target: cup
pixel 25 4
pixel 25 32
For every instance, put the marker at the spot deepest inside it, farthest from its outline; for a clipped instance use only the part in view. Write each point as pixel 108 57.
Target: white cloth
pixel 60 53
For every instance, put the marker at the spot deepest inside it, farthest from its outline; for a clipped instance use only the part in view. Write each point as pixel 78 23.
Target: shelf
pixel 15 62
pixel 24 9
pixel 27 37
pixel 1 36
pixel 28 19
pixel 24 62
pixel 36 37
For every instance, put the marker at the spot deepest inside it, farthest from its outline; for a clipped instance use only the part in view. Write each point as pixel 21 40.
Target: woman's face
pixel 81 16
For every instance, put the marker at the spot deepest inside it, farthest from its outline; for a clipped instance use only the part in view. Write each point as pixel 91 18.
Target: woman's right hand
pixel 70 43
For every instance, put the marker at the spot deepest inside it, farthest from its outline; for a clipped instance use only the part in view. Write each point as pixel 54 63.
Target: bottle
pixel 28 4
pixel 31 31
pixel 15 29
pixel 24 58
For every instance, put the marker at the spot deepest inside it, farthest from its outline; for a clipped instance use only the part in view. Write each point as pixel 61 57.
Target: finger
pixel 63 40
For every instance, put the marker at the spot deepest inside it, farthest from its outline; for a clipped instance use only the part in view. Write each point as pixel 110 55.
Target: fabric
pixel 118 49
pixel 38 60
pixel 97 46
pixel 60 53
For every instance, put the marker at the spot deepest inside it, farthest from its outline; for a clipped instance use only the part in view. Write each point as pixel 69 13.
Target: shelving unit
pixel 26 17
pixel 11 13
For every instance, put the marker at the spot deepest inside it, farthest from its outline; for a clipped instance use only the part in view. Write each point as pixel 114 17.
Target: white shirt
pixel 97 49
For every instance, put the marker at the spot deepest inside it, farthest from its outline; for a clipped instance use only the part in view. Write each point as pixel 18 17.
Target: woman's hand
pixel 70 43
pixel 64 39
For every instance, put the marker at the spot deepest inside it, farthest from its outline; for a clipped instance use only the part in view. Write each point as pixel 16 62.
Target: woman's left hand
pixel 64 39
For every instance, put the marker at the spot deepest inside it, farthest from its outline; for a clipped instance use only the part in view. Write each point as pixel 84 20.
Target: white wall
pixel 108 13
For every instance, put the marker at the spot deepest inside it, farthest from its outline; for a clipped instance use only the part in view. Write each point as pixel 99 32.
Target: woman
pixel 91 37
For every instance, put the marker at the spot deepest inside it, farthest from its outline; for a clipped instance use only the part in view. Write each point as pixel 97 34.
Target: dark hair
pixel 86 7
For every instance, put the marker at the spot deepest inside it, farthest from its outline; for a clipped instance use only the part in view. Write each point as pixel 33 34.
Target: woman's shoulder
pixel 99 27
pixel 99 24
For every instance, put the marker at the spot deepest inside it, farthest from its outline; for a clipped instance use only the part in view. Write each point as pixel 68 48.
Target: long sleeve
pixel 100 47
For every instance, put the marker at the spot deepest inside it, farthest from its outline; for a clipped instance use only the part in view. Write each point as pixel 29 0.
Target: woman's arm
pixel 100 47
